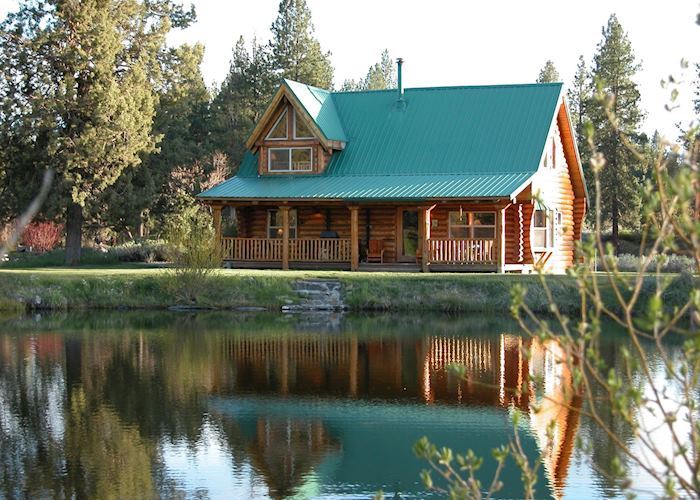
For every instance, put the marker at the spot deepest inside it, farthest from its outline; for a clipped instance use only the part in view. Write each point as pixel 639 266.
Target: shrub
pixel 671 263
pixel 194 253
pixel 143 251
pixel 42 236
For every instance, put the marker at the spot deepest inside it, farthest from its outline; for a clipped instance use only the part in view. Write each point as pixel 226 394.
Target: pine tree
pixel 182 121
pixel 242 98
pixel 548 73
pixel 297 54
pixel 380 76
pixel 579 96
pixel 614 68
pixel 89 100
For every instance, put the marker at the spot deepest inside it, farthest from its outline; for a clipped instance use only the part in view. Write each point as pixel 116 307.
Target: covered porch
pixel 445 236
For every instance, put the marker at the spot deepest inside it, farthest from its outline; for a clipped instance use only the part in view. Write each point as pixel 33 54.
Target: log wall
pixel 556 190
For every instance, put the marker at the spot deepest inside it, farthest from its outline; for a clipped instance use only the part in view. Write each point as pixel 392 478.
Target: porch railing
pixel 319 250
pixel 300 250
pixel 252 249
pixel 461 251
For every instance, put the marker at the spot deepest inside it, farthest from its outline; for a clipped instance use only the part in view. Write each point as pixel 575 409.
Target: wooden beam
pixel 501 229
pixel 216 213
pixel 284 210
pixel 425 250
pixel 354 239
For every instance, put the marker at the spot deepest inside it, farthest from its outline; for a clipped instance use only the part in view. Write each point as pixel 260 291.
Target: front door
pixel 409 235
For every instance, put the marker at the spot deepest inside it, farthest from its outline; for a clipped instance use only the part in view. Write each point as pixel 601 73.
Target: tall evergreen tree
pixel 181 120
pixel 242 98
pixel 548 73
pixel 579 94
pixel 297 54
pixel 614 68
pixel 87 94
pixel 380 76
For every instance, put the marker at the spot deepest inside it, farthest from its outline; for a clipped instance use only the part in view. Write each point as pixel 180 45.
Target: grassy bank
pixel 140 287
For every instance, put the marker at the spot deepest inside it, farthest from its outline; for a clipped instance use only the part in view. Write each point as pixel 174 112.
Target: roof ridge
pixel 454 87
pixel 287 81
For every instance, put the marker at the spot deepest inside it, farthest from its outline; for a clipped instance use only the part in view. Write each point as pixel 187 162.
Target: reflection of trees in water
pixel 138 380
pixel 32 427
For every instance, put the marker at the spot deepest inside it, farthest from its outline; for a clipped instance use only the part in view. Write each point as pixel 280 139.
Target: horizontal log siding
pixel 253 224
pixel 383 227
pixel 557 192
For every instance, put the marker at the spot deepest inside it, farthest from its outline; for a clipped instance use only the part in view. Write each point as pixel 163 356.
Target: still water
pixel 229 405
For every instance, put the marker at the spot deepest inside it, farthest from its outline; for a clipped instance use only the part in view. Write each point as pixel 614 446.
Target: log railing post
pixel 425 249
pixel 216 213
pixel 354 239
pixel 501 229
pixel 285 237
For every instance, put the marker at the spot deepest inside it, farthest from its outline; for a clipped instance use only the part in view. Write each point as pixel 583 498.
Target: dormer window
pixel 279 129
pixel 290 160
pixel 301 131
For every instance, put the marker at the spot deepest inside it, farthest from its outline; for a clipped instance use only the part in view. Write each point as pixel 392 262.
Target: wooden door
pixel 408 234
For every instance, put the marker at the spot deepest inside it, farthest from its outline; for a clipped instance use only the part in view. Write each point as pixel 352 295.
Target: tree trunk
pixel 615 225
pixel 74 234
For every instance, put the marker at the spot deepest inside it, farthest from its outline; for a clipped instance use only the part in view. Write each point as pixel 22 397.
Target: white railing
pixel 462 251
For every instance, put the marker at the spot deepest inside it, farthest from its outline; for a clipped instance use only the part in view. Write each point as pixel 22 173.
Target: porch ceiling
pixel 371 187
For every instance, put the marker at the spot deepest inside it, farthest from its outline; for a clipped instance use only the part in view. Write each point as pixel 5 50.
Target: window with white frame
pixel 290 160
pixel 543 228
pixel 301 131
pixel 274 224
pixel 278 132
pixel 472 225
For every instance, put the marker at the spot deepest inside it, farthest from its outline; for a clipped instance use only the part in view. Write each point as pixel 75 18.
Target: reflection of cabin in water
pixel 396 369
pixel 495 367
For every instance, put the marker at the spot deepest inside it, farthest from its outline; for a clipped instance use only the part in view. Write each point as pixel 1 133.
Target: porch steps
pixel 317 295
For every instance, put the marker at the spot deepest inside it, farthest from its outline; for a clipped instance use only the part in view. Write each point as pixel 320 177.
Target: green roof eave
pixel 369 187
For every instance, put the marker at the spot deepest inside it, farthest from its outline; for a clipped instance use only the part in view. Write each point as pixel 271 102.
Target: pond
pixel 232 405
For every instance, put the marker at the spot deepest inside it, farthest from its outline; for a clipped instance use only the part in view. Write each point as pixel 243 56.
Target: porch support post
pixel 501 229
pixel 425 250
pixel 216 213
pixel 354 239
pixel 285 237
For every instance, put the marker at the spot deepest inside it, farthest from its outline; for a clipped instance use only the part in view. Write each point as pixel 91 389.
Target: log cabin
pixel 470 178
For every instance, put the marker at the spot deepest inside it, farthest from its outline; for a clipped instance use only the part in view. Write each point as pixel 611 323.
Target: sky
pixel 462 42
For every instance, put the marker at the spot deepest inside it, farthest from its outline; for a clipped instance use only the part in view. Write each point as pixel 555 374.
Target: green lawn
pixel 148 286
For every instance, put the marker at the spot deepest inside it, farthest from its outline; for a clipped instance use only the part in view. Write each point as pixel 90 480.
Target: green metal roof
pixel 442 142
pixel 319 104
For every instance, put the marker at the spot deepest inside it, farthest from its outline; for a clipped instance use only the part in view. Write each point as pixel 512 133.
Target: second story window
pixel 290 160
pixel 301 131
pixel 278 132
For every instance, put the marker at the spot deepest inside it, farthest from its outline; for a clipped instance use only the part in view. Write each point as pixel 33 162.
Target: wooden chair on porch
pixel 375 251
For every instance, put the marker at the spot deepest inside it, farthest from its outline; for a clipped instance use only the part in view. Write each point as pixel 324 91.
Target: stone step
pixel 318 295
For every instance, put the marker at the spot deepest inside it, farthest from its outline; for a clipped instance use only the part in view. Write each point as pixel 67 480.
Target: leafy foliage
pixel 77 91
pixel 194 254
pixel 42 236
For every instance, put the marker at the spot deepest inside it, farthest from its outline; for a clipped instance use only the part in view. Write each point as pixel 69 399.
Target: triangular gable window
pixel 301 131
pixel 279 129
